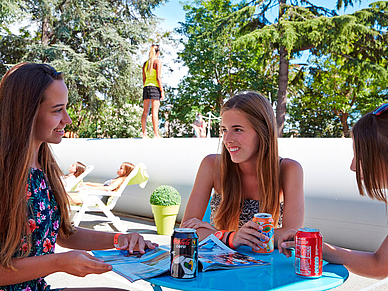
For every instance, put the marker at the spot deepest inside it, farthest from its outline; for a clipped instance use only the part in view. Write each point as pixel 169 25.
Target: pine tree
pixel 93 42
pixel 298 28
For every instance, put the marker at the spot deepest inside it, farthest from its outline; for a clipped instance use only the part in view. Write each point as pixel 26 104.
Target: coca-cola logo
pixel 182 241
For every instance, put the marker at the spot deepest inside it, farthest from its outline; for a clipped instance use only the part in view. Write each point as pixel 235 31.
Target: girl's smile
pixel 239 137
pixel 52 115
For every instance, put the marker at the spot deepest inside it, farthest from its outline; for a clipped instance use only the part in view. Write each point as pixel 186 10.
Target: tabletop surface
pixel 279 275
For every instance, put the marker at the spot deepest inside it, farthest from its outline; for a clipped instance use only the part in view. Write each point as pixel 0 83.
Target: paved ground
pixel 147 228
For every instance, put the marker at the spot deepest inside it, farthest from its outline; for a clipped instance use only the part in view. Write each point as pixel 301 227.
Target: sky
pixel 172 13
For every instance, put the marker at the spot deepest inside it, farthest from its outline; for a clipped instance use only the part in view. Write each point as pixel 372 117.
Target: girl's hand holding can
pixel 286 242
pixel 249 235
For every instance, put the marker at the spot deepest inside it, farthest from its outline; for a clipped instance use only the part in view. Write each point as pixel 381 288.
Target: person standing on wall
pixel 199 126
pixel 153 90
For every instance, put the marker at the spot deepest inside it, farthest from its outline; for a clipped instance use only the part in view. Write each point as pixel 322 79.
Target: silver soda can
pixel 184 253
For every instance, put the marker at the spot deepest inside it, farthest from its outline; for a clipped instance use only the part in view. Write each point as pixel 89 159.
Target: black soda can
pixel 184 253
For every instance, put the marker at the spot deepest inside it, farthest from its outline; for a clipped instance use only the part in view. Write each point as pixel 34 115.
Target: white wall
pixel 333 204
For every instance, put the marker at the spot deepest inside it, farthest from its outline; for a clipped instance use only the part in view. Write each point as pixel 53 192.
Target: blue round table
pixel 279 275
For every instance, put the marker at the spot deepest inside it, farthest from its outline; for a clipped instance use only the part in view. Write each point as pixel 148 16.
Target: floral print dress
pixel 43 222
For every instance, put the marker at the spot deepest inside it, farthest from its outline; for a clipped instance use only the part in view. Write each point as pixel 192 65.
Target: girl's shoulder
pixel 210 160
pixel 211 163
pixel 287 164
pixel 156 63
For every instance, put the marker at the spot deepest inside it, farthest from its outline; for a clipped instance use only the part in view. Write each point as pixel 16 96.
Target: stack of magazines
pixel 212 255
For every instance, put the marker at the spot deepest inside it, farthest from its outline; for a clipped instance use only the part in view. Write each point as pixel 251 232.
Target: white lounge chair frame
pixel 70 186
pixel 92 198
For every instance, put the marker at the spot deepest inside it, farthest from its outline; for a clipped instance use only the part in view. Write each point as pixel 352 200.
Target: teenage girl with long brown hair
pixel 247 177
pixel 370 163
pixel 153 90
pixel 34 212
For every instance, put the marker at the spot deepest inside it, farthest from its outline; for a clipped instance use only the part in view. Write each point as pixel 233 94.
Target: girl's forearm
pixel 361 263
pixel 26 269
pixel 85 239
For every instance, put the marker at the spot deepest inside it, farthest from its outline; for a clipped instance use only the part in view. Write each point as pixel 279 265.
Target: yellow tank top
pixel 150 77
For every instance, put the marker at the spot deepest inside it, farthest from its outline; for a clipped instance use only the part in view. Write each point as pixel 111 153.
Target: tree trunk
pixel 282 93
pixel 45 32
pixel 283 81
pixel 45 36
pixel 344 121
pixel 220 102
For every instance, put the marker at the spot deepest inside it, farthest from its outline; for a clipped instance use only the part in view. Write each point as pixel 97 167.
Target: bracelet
pixel 116 241
pixel 230 239
pixel 227 238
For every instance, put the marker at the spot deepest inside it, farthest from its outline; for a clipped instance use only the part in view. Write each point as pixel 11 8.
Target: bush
pixel 165 195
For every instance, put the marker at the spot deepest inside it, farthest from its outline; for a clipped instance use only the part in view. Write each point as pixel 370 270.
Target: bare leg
pixel 146 110
pixel 196 131
pixel 74 198
pixel 155 118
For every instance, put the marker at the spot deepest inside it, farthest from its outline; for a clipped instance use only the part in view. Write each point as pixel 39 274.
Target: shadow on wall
pixel 333 204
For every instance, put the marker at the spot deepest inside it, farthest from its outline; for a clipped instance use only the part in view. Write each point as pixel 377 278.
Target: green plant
pixel 165 195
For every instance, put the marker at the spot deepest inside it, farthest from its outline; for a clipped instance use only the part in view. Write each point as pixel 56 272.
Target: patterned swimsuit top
pixel 43 222
pixel 250 208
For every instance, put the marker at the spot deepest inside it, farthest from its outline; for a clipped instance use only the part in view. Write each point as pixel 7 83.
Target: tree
pixel 93 42
pixel 298 28
pixel 217 70
pixel 337 92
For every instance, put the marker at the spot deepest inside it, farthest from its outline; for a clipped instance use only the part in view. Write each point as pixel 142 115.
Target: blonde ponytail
pixel 152 56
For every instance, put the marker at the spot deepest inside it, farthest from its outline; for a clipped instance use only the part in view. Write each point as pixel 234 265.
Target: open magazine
pixel 136 266
pixel 212 255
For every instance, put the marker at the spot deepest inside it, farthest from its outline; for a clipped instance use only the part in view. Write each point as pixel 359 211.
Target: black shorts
pixel 151 92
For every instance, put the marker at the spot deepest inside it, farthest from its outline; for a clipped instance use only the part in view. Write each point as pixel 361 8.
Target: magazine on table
pixel 136 266
pixel 212 255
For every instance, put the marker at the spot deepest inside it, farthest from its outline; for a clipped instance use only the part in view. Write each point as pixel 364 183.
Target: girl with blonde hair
pixel 153 90
pixel 34 212
pixel 248 177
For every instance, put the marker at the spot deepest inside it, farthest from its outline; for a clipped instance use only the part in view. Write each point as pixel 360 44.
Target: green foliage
pixel 112 121
pixel 217 70
pixel 165 195
pixel 335 94
pixel 93 42
pixel 355 44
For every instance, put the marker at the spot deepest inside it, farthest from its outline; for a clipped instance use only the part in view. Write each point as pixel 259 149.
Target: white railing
pixel 210 117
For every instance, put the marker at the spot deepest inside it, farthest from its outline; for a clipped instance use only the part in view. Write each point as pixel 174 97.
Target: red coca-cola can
pixel 308 253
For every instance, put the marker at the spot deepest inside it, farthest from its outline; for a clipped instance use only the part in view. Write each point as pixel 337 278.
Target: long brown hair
pixel 21 93
pixel 259 113
pixel 370 137
pixel 128 168
pixel 79 169
pixel 152 56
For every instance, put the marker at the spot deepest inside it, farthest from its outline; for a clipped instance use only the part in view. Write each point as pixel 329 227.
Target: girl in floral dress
pixel 34 213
